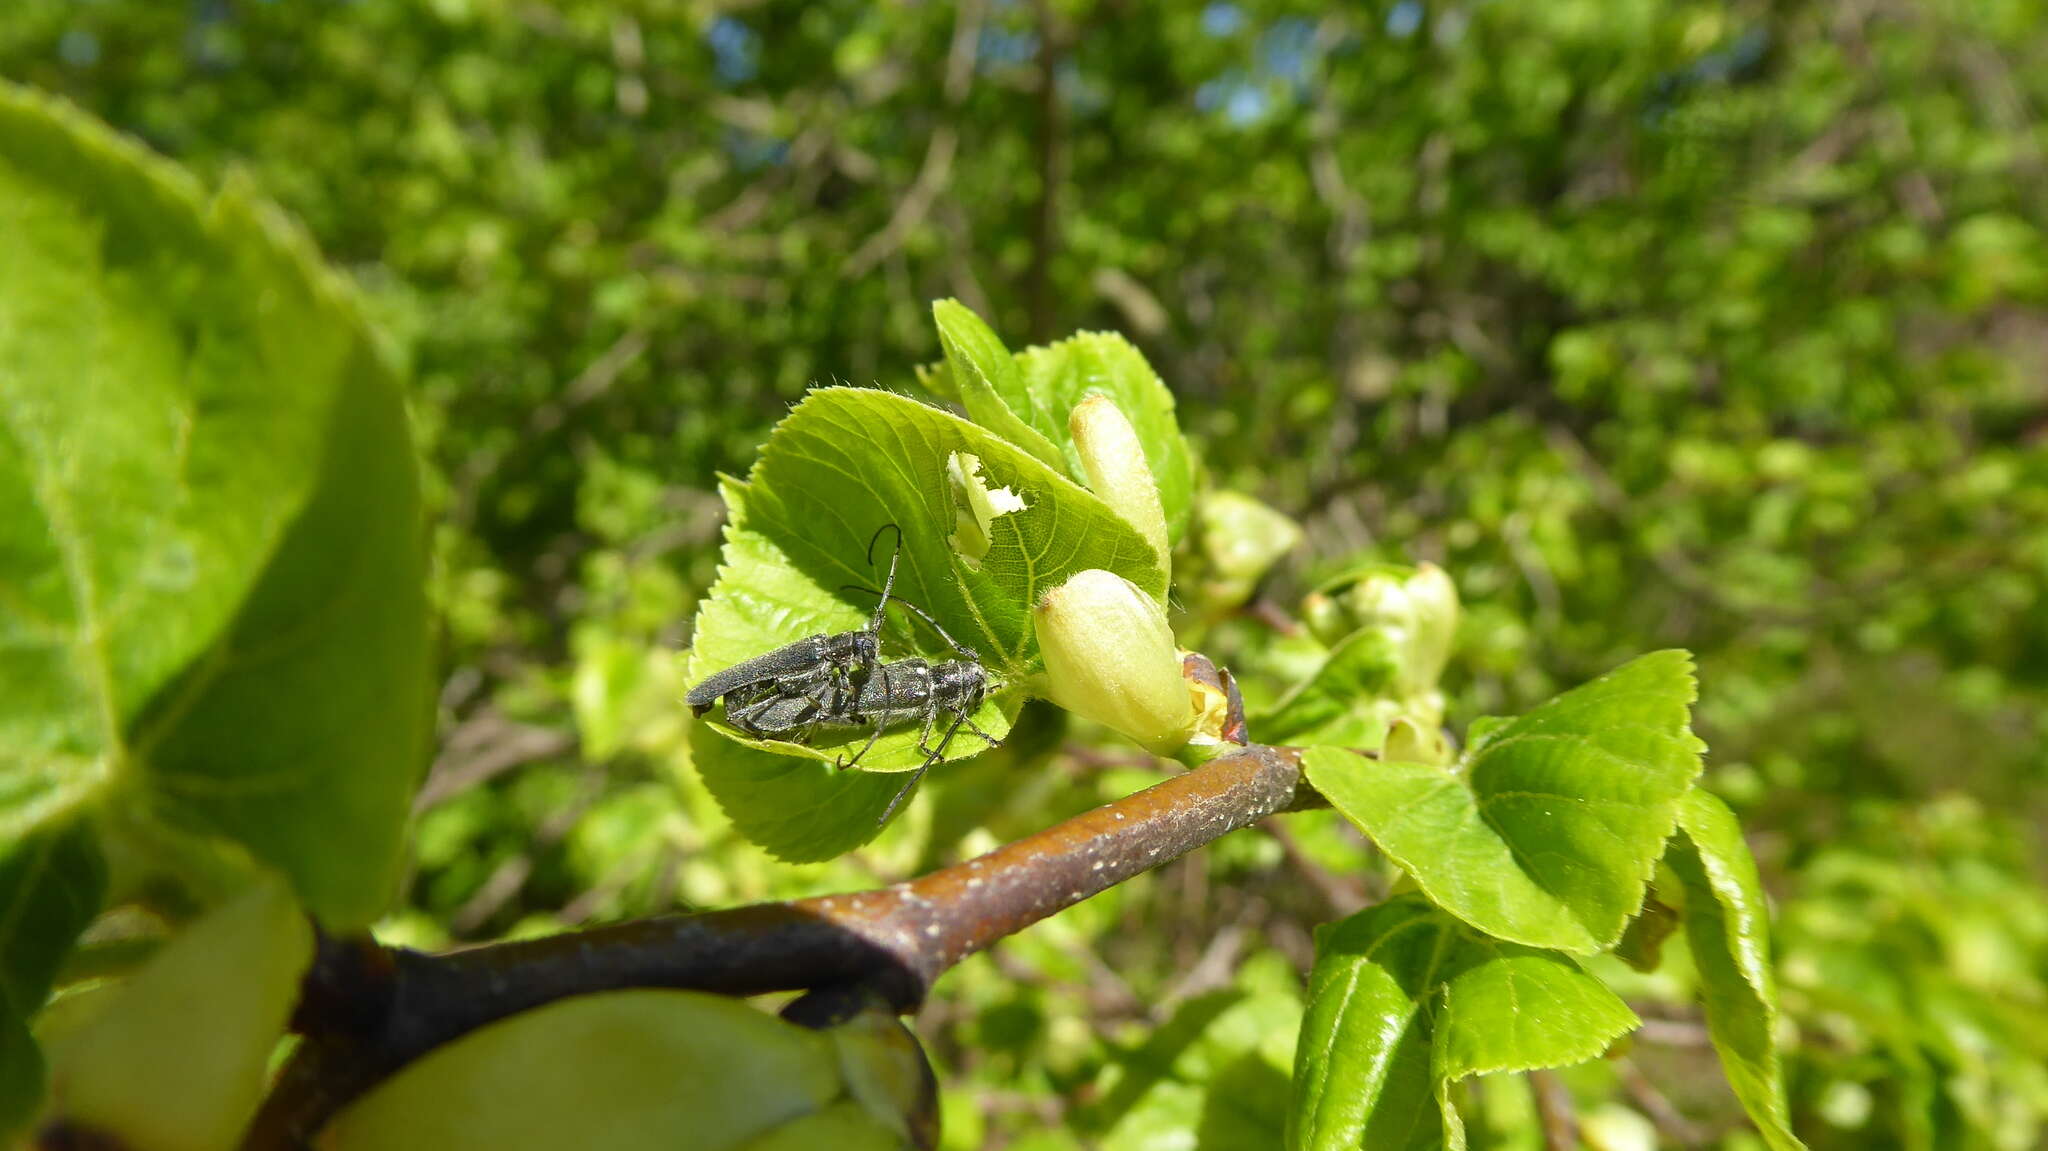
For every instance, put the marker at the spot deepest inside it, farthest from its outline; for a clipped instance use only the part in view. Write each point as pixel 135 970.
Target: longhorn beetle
pixel 839 681
pixel 790 711
pixel 764 695
pixel 913 688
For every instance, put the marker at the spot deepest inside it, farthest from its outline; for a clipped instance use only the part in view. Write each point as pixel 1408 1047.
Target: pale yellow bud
pixel 1433 606
pixel 1416 608
pixel 1116 467
pixel 1110 656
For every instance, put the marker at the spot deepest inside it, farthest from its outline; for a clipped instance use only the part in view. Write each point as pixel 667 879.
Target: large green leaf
pixel 1059 375
pixel 1727 925
pixel 842 465
pixel 51 885
pixel 1404 1001
pixel 211 560
pixel 1546 831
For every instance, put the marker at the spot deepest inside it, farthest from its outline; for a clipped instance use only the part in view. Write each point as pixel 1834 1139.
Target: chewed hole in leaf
pixel 975 505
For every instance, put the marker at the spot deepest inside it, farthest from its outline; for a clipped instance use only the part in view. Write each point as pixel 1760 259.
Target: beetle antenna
pixel 888 584
pixel 955 644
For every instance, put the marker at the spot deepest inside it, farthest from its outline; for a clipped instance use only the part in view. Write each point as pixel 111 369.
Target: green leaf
pixel 1546 831
pixel 1341 702
pixel 1059 375
pixel 846 462
pixel 843 464
pixel 1727 925
pixel 211 582
pixel 799 810
pixel 51 885
pixel 1213 1076
pixel 988 382
pixel 1405 1000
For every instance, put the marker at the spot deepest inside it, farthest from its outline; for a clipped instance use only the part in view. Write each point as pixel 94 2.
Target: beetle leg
pixel 931 758
pixel 881 721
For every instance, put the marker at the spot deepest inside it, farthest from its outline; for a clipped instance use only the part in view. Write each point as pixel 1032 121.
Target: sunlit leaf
pixel 212 572
pixel 987 381
pixel 1546 831
pixel 1058 375
pixel 840 467
pixel 1727 925
pixel 1344 703
pixel 1405 1001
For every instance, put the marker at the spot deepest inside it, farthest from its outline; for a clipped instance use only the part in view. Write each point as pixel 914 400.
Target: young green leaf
pixel 1404 1001
pixel 1059 375
pixel 847 462
pixel 1727 927
pixel 213 563
pixel 1546 831
pixel 989 385
pixel 175 1059
pixel 1344 702
pixel 650 1069
pixel 51 885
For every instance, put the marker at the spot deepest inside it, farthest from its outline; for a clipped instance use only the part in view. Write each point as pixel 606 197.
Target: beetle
pixel 840 681
pixel 763 694
pixel 915 689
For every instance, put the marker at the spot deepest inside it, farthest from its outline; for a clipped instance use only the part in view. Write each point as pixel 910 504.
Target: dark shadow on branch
pixel 368 1010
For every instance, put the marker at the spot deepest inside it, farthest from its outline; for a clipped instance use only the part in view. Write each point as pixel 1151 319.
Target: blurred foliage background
pixel 1713 325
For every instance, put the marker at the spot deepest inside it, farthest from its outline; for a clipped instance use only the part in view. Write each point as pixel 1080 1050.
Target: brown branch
pixel 1669 1121
pixel 1554 1110
pixel 368 1010
pixel 484 748
pixel 937 168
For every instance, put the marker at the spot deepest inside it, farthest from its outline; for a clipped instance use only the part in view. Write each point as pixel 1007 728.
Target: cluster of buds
pixel 1110 655
pixel 1415 607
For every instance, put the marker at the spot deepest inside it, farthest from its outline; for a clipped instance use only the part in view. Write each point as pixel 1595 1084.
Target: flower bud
pixel 175 1058
pixel 1110 656
pixel 1116 467
pixel 1416 608
pixel 1433 616
pixel 654 1069
pixel 1241 538
pixel 1411 742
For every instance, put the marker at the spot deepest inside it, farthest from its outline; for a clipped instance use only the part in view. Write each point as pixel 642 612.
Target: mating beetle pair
pixel 841 681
